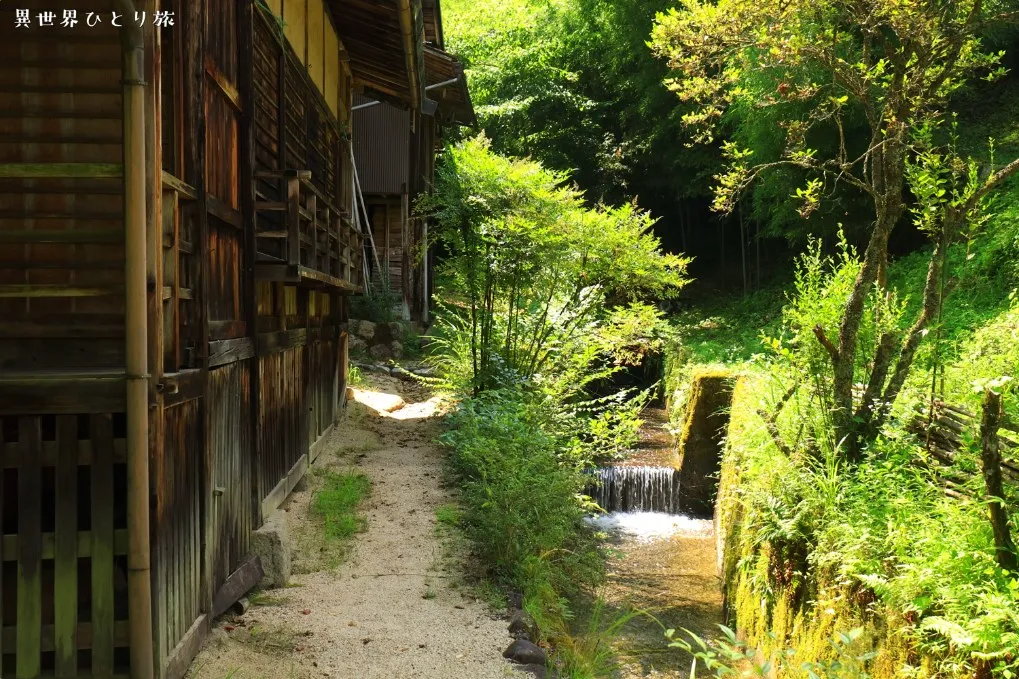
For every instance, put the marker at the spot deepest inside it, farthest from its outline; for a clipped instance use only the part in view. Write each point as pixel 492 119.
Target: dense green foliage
pixel 838 130
pixel 520 500
pixel 894 73
pixel 572 84
pixel 546 302
pixel 538 272
pixel 878 545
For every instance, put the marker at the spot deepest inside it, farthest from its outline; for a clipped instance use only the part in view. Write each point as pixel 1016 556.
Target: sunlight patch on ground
pixel 420 410
pixel 648 526
pixel 392 405
pixel 379 401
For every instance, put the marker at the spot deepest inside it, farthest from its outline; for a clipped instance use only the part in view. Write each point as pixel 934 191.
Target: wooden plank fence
pixel 945 429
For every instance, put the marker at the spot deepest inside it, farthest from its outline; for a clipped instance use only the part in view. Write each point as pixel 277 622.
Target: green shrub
pixel 355 378
pixel 519 499
pixel 379 302
pixel 814 547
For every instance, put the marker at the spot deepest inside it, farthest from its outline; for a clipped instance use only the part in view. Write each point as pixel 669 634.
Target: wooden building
pixel 176 251
pixel 395 149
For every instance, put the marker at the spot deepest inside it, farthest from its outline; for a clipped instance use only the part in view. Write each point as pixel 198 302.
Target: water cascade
pixel 637 489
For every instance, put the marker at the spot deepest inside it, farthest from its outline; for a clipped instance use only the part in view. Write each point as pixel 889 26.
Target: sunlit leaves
pixel 896 61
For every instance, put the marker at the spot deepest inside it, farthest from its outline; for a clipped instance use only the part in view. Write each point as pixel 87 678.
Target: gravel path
pixel 393 609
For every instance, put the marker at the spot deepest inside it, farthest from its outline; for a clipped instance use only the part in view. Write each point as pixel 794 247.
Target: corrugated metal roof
pixel 381 140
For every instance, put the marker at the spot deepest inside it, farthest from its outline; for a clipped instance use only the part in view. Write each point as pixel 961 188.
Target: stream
pixel 663 562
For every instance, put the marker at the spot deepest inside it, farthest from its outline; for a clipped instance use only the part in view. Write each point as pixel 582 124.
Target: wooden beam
pixel 283 489
pixel 224 212
pixel 33 290
pixel 187 648
pixel 239 583
pixel 185 190
pixel 69 236
pixel 229 351
pixel 272 342
pixel 9 544
pixel 84 634
pixel 61 170
pixel 223 83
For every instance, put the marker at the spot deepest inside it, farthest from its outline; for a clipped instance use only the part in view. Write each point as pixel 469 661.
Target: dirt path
pixel 393 609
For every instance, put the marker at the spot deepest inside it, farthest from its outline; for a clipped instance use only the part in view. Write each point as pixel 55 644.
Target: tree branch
pixel 771 421
pixel 833 351
pixel 992 183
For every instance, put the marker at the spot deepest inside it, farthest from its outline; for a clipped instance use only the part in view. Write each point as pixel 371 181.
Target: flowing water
pixel 663 561
pixel 637 489
pixel 651 526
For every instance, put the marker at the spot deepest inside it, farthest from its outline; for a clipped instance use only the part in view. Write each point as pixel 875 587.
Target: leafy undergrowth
pixel 520 510
pixel 816 546
pixel 547 307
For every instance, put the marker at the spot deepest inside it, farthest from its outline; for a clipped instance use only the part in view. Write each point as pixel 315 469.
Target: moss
pixel 797 614
pixel 700 441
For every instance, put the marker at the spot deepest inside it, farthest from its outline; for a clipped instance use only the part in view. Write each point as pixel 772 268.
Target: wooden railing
pixel 305 237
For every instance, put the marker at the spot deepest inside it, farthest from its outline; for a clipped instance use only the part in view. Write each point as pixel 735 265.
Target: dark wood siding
pixel 178 478
pixel 232 457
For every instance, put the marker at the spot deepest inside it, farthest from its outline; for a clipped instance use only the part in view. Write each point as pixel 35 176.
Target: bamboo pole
pixel 136 348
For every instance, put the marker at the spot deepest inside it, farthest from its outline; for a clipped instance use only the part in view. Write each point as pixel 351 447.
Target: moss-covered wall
pixel 701 439
pixel 773 597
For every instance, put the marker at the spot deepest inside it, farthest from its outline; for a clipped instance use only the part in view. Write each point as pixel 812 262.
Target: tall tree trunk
pixel 757 245
pixel 743 248
pixel 888 172
pixel 682 225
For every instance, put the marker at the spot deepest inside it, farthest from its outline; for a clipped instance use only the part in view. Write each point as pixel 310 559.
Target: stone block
pixel 366 330
pixel 271 543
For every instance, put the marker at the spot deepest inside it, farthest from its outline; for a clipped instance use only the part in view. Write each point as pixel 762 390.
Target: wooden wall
pixel 230 514
pixel 63 603
pixel 301 358
pixel 308 28
pixel 243 385
pixel 392 239
pixel 282 433
pixel 178 527
pixel 61 226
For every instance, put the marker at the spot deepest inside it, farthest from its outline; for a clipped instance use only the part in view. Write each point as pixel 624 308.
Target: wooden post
pixel 194 48
pixel 327 231
pixel 246 47
pixel 990 457
pixel 29 605
pixel 313 210
pixel 293 184
pixel 160 218
pixel 404 247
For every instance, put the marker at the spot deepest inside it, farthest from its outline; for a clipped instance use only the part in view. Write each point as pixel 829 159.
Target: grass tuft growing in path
pixel 337 503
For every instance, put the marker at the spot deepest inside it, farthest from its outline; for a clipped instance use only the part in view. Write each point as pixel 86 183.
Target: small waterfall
pixel 636 489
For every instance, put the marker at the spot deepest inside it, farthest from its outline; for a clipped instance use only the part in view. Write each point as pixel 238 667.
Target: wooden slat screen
pixel 63 545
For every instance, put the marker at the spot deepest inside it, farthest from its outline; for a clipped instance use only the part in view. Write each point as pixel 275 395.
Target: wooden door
pixel 228 411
